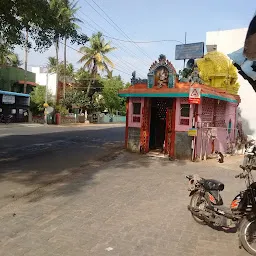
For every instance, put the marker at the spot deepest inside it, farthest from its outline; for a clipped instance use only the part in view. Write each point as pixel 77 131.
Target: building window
pixel 136 108
pixel 184 114
pixel 136 112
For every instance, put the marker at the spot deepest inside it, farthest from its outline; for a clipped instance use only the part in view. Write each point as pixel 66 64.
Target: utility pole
pixel 26 63
pixel 46 96
pixel 185 43
pixel 65 67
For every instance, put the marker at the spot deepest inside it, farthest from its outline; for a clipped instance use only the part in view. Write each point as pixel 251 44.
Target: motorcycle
pixel 5 119
pixel 250 154
pixel 206 207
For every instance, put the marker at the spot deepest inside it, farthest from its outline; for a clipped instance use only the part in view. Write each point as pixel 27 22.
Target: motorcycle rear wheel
pixel 247 232
pixel 198 202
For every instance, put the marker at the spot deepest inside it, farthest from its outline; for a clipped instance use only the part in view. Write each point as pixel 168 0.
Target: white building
pixel 41 79
pixel 228 41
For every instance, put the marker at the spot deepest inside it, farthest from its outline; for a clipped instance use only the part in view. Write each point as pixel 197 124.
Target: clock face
pixel 161 77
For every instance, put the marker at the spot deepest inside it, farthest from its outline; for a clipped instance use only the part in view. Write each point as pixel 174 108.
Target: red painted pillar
pixel 126 127
pixel 58 118
pixel 172 149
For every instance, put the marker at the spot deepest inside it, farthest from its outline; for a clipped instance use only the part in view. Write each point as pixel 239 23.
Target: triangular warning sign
pixel 194 93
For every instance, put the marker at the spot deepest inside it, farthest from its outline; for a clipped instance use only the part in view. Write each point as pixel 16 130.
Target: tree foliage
pixel 39 19
pixel 37 99
pixel 84 79
pixel 33 15
pixel 112 101
pixel 75 98
pixel 95 57
pixel 52 68
pixel 8 57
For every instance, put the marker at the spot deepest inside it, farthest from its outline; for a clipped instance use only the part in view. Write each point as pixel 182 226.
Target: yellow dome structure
pixel 216 70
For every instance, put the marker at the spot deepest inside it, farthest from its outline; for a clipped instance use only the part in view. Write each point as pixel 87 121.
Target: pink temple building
pixel 160 118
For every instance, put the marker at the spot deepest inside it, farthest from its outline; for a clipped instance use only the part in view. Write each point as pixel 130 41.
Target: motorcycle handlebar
pixel 241 176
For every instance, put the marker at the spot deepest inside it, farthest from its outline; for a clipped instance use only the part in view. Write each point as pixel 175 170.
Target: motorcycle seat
pixel 210 184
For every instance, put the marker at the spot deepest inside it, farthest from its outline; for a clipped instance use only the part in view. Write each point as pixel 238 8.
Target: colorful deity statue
pixel 216 70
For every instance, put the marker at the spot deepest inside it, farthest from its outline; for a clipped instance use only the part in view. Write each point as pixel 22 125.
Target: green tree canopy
pixel 8 57
pixel 37 99
pixel 110 93
pixel 75 98
pixel 83 79
pixel 95 56
pixel 39 19
pixel 52 68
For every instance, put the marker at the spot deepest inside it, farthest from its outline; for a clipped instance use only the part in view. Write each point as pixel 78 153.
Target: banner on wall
pixel 8 99
pixel 194 96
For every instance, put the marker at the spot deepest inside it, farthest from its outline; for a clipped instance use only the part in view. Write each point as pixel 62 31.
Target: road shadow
pixel 50 175
pixel 65 169
pixel 54 158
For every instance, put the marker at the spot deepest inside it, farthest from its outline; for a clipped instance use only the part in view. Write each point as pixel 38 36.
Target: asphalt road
pixel 34 156
pixel 23 141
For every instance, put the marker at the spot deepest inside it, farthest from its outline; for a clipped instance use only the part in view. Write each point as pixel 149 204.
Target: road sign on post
pixel 194 95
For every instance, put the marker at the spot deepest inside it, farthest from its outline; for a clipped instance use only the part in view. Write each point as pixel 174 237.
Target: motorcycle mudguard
pixel 241 202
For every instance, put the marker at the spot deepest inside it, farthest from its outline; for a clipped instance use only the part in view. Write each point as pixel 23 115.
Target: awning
pixel 28 82
pixel 14 94
pixel 179 91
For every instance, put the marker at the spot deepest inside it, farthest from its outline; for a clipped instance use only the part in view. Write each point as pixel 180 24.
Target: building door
pixel 158 124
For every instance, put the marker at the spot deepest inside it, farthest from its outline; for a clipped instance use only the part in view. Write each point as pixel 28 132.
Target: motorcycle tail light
pixel 212 199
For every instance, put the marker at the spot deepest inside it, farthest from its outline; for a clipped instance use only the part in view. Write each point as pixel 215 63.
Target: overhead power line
pixel 82 53
pixel 123 47
pixel 118 44
pixel 117 28
pixel 144 42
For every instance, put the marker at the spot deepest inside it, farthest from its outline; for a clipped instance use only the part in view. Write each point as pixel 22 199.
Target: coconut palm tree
pixel 8 57
pixel 67 72
pixel 57 7
pixel 66 27
pixel 70 21
pixel 52 64
pixel 94 57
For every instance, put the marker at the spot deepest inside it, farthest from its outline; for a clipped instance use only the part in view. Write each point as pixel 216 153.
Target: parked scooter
pixel 250 154
pixel 5 119
pixel 206 207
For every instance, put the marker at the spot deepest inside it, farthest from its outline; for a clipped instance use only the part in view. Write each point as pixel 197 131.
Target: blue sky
pixel 146 20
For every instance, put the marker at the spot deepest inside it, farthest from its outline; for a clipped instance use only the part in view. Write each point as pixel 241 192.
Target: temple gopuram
pixel 161 117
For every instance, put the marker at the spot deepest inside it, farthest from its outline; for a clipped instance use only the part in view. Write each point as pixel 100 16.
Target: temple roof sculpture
pixel 217 71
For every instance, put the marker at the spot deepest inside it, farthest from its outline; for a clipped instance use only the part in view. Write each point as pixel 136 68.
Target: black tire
pixel 195 198
pixel 244 228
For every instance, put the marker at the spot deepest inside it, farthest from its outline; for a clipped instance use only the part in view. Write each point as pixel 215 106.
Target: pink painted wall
pixel 231 115
pixel 131 115
pixel 225 111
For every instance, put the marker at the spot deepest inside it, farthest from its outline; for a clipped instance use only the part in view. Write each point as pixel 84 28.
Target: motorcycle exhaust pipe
pixel 199 215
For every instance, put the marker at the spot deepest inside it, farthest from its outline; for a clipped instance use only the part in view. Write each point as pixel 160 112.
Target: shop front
pixel 15 104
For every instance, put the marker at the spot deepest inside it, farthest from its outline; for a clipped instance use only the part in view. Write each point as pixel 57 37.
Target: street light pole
pixel 26 64
pixel 185 43
pixel 46 98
